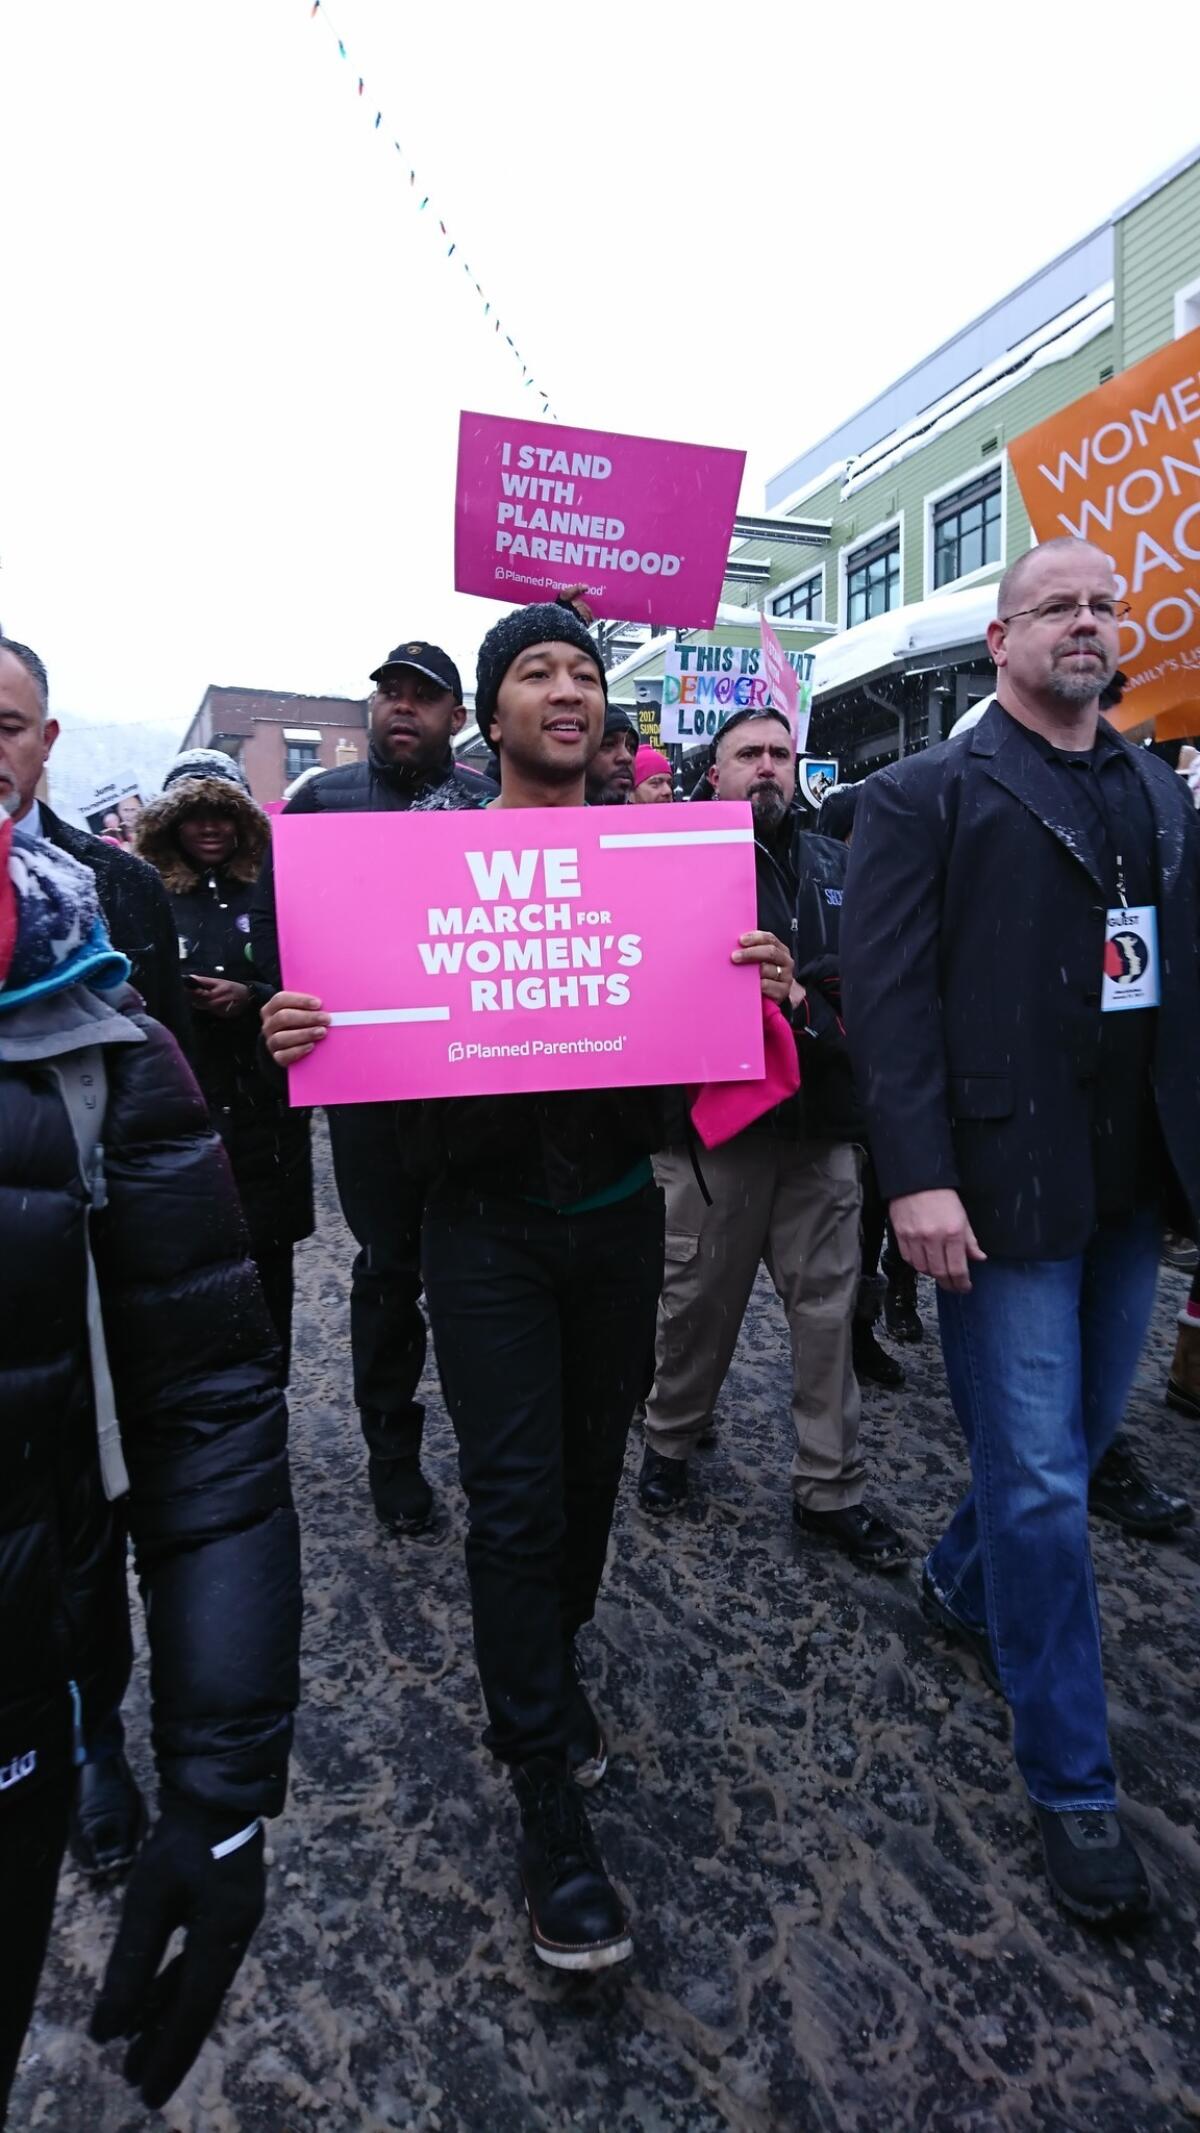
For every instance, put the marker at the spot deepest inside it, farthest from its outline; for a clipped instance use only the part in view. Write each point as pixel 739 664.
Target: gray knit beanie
pixel 206 763
pixel 549 622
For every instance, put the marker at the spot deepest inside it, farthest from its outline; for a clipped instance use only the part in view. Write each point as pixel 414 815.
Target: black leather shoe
pixel 575 1914
pixel 861 1534
pixel 900 1314
pixel 662 1483
pixel 1120 1491
pixel 872 1364
pixel 402 1497
pixel 1093 1868
pixel 975 1641
pixel 587 1749
pixel 108 1818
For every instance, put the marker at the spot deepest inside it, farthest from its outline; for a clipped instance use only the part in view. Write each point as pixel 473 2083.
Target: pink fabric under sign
pixel 490 952
pixel 642 524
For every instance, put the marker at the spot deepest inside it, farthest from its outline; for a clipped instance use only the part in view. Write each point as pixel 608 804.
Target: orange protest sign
pixel 1121 467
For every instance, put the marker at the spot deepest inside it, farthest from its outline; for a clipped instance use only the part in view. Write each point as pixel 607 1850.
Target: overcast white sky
pixel 233 353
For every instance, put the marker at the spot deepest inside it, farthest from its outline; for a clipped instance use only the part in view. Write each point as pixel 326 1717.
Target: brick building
pixel 275 735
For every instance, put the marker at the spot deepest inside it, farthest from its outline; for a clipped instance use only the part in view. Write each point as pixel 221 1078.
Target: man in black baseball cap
pixel 427 659
pixel 412 717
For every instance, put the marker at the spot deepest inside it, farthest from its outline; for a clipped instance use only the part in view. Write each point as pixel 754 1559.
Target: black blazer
pixel 972 946
pixel 138 917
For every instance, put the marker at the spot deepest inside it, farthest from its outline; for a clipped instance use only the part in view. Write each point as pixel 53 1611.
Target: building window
pixel 804 602
pixel 966 529
pixel 301 755
pixel 873 578
pixel 1187 309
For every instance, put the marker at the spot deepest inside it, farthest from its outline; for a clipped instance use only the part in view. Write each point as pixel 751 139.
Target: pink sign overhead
pixel 783 683
pixel 494 951
pixel 643 525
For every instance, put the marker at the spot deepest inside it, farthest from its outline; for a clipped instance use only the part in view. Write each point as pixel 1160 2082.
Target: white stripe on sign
pixel 631 840
pixel 361 1017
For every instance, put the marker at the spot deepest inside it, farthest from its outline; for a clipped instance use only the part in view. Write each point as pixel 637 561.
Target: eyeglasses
pixel 1057 611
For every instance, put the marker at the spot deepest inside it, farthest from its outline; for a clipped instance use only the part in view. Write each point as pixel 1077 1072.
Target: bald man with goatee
pixel 1033 1102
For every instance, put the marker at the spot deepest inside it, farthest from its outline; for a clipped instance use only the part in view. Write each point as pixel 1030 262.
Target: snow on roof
pixel 943 623
pixel 1063 337
pixel 789 504
pixel 1042 299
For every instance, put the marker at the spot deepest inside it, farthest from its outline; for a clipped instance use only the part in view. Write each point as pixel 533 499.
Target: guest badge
pixel 1130 959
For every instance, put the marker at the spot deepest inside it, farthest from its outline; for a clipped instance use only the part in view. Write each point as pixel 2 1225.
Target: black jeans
pixel 382 1206
pixel 33 1836
pixel 542 1324
pixel 276 1272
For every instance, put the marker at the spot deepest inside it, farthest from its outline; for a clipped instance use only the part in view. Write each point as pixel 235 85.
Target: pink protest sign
pixel 493 951
pixel 781 681
pixel 643 525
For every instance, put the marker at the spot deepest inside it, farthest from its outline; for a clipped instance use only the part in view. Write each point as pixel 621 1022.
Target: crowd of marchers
pixel 973 1099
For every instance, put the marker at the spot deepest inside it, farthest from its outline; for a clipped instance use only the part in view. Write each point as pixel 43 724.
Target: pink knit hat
pixel 648 763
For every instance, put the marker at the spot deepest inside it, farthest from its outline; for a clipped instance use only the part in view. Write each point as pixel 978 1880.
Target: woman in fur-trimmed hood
pixel 207 839
pixel 196 792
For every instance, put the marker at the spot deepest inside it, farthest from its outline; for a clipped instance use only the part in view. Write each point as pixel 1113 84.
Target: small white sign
pixel 1130 959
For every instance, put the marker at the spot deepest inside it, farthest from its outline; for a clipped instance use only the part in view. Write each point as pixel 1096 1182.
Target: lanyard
pixel 1088 780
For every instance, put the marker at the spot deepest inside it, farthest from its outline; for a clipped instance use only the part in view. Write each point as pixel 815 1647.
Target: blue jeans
pixel 1040 1357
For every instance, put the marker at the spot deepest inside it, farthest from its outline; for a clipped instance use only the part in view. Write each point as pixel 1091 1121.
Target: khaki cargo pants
pixel 794 1206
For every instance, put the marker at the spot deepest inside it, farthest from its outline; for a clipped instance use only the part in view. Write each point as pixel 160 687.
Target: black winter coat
pixel 138 919
pixel 203 1425
pixel 266 1141
pixel 800 878
pixel 972 944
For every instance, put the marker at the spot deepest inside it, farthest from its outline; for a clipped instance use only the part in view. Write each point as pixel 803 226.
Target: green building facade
pixel 911 502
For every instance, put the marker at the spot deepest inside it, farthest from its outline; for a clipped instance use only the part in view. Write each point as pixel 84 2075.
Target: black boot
pixel 872 1364
pixel 900 1314
pixel 108 1818
pixel 402 1497
pixel 1120 1491
pixel 868 1539
pixel 575 1914
pixel 662 1483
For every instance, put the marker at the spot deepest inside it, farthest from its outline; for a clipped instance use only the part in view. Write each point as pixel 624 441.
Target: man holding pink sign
pixel 542 1257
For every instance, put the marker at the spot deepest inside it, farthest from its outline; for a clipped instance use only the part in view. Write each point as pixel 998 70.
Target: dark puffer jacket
pixel 266 1142
pixel 203 1426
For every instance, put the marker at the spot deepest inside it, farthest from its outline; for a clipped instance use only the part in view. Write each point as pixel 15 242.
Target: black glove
pixel 177 1882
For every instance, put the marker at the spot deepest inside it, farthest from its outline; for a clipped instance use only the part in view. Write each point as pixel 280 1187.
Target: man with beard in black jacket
pixel 127 1293
pixel 543 1259
pixel 785 1192
pixel 415 710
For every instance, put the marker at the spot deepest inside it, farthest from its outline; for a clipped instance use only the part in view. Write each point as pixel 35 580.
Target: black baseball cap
pixel 427 659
